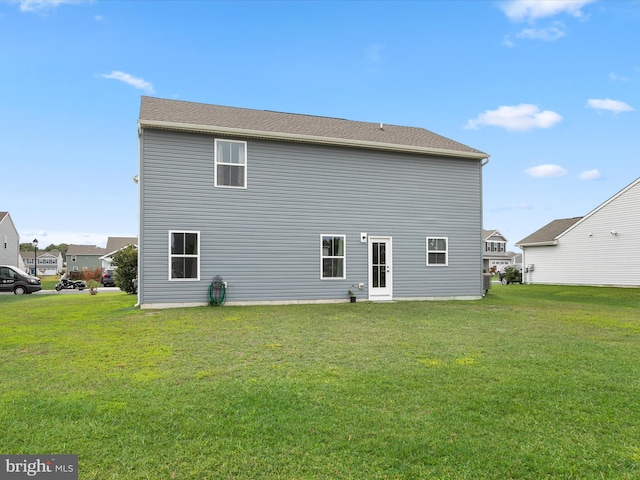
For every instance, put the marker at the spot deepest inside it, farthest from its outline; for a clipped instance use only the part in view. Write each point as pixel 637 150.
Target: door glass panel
pixel 378 265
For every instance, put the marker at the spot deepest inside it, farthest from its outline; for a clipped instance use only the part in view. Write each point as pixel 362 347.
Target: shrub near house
pixel 127 262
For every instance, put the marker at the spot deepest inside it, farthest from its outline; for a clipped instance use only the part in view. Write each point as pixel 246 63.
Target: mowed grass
pixel 531 382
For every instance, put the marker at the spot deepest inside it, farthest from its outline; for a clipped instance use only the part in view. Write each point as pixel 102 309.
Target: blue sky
pixel 550 89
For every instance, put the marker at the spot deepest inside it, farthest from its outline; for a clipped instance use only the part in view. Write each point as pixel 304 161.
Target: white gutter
pixel 311 139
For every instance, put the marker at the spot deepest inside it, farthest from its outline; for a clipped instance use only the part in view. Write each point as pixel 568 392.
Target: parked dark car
pixel 511 274
pixel 108 279
pixel 12 279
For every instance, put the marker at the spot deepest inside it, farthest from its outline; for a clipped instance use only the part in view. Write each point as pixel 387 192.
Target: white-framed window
pixel 184 255
pixel 437 251
pixel 230 159
pixel 332 257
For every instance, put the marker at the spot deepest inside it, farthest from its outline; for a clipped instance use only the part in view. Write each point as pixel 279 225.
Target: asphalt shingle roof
pixel 154 110
pixel 116 243
pixel 550 231
pixel 85 250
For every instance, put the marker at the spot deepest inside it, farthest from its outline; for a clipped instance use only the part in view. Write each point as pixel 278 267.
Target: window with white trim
pixel 332 257
pixel 184 255
pixel 437 251
pixel 230 159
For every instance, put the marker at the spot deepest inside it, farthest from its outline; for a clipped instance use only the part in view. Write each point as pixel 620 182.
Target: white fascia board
pixel 310 139
pixel 538 244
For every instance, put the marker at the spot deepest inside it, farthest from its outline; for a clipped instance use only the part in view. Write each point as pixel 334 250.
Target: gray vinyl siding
pixel 265 241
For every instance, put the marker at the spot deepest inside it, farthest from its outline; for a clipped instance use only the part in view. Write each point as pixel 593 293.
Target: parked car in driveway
pixel 12 279
pixel 108 279
pixel 511 274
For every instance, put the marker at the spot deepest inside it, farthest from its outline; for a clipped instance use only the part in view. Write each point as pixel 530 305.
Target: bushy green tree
pixel 127 262
pixel 513 274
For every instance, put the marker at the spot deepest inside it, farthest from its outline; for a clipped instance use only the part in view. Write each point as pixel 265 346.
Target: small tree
pixel 127 262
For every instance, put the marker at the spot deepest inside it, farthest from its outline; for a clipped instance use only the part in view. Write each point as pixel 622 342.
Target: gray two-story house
pixel 291 208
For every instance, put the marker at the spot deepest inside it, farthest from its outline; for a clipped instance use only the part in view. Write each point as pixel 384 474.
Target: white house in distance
pixel 494 251
pixel 9 241
pixel 600 248
pixel 49 263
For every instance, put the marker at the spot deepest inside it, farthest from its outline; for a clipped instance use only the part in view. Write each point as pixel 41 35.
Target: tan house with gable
pixel 115 244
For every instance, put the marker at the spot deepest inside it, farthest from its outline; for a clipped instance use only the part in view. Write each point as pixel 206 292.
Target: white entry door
pixel 380 269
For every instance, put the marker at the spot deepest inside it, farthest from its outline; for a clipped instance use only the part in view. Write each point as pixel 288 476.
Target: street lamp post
pixel 35 257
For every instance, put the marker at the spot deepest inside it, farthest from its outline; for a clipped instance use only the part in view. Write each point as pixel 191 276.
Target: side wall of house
pixel 9 243
pixel 589 254
pixel 76 263
pixel 265 240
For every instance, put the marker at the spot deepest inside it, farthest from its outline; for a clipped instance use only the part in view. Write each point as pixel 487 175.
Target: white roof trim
pixel 538 244
pixel 310 138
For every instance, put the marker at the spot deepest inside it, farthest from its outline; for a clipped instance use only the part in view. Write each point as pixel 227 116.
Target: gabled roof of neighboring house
pixel 5 215
pixel 548 234
pixel 41 253
pixel 204 118
pixel 117 243
pixel 486 234
pixel 85 250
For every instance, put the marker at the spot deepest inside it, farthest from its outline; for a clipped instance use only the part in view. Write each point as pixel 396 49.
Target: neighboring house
pixel 600 248
pixel 291 208
pixel 49 263
pixel 114 244
pixel 80 257
pixel 9 241
pixel 494 251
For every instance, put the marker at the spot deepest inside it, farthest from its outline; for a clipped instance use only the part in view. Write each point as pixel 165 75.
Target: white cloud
pixel 590 175
pixel 39 5
pixel 548 34
pixel 608 104
pixel 546 170
pixel 516 117
pixel 138 83
pixel 532 10
pixel 614 77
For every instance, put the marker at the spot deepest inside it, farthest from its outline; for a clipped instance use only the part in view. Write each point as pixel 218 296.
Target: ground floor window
pixel 437 251
pixel 332 256
pixel 184 255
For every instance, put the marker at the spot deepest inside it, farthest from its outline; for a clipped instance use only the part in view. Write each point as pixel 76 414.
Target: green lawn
pixel 531 382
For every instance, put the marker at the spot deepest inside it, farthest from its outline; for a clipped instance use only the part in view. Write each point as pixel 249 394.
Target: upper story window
pixel 230 164
pixel 184 256
pixel 494 246
pixel 437 251
pixel 332 256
